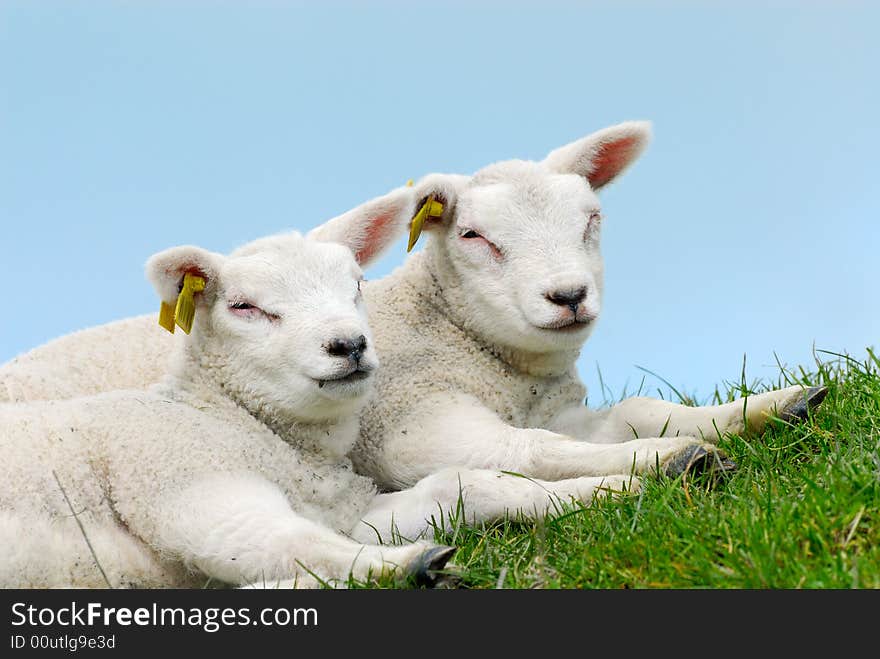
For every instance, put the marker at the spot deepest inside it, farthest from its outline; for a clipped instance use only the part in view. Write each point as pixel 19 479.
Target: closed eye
pixel 471 235
pixel 249 311
pixel 594 221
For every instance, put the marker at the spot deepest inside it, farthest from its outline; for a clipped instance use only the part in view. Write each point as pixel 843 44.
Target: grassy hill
pixel 801 511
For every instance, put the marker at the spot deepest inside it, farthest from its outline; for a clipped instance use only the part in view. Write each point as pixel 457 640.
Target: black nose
pixel 351 348
pixel 570 298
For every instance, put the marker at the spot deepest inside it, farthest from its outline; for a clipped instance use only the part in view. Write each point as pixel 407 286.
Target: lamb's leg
pixel 480 495
pixel 648 417
pixel 454 430
pixel 242 530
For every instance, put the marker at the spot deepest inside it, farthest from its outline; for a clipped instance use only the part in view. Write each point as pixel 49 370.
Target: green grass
pixel 801 511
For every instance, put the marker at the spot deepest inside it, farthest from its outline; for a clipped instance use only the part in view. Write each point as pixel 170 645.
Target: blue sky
pixel 749 227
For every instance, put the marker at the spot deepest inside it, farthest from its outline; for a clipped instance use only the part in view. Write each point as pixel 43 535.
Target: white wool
pixel 125 354
pixel 426 353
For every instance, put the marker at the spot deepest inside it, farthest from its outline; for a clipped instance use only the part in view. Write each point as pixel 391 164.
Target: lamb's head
pixel 281 325
pixel 516 249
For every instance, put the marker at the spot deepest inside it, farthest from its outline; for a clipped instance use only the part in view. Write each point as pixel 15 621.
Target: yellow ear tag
pixel 186 303
pixel 430 208
pixel 166 316
pixel 184 311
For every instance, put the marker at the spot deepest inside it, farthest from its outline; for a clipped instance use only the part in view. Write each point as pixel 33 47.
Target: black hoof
pixel 425 570
pixel 801 408
pixel 699 460
pixel 449 581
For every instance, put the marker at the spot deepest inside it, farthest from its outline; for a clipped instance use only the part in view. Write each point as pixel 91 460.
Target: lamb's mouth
pixel 566 326
pixel 355 375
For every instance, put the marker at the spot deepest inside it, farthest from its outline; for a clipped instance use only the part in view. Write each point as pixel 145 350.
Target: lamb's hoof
pixel 450 579
pixel 699 460
pixel 425 571
pixel 800 409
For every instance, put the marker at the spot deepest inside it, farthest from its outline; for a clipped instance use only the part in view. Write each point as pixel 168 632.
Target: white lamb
pixel 233 467
pixel 479 334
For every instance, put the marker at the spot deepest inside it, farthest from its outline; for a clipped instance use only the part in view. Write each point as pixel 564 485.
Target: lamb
pixel 233 468
pixel 478 334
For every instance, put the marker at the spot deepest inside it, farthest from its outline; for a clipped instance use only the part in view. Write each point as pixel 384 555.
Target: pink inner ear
pixel 375 237
pixel 183 269
pixel 610 160
pixel 192 269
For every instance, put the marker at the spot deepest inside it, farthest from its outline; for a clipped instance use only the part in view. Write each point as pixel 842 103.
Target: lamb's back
pixel 126 354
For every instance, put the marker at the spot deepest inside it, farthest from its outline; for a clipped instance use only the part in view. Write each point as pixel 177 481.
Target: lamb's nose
pixel 570 298
pixel 351 348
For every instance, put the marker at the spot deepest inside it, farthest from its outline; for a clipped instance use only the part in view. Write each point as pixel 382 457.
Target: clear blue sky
pixel 750 226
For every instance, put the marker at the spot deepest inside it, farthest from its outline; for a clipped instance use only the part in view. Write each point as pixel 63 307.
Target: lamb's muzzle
pixel 350 348
pixel 567 298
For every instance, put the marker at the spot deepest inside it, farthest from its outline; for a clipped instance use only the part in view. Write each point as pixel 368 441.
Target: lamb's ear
pixel 444 190
pixel 604 155
pixel 166 270
pixel 372 227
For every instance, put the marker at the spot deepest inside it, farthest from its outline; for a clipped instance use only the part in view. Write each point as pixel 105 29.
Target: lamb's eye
pixel 360 281
pixel 594 221
pixel 470 234
pixel 246 310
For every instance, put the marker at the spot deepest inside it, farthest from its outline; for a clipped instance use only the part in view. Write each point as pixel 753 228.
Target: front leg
pixel 479 496
pixel 456 430
pixel 240 529
pixel 649 417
